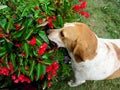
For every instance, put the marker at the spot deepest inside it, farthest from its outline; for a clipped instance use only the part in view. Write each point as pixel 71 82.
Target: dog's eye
pixel 61 34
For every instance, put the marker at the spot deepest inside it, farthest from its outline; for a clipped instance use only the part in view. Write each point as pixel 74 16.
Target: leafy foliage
pixel 25 51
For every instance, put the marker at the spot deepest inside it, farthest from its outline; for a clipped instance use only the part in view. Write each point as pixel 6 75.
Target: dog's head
pixel 77 38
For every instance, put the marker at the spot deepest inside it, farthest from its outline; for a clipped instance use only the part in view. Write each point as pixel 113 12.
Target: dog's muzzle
pixel 53 44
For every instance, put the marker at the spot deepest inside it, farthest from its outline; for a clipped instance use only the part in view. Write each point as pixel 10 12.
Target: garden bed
pixel 27 58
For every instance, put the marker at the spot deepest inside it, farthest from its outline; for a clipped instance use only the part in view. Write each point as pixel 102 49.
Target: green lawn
pixel 105 22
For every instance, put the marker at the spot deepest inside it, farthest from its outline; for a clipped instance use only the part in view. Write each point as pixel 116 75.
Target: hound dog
pixel 93 58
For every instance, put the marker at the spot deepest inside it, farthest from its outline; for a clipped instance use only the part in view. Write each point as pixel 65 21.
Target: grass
pixel 105 22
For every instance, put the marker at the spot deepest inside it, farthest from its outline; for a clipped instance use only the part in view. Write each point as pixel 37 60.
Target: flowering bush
pixel 26 54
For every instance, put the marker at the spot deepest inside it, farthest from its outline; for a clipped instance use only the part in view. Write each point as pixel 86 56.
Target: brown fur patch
pixel 81 41
pixel 117 50
pixel 107 47
pixel 116 74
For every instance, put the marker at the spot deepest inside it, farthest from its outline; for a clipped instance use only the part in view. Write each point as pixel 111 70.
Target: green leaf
pixel 60 20
pixel 27 33
pixel 2 40
pixel 3 6
pixel 12 58
pixel 51 8
pixel 17 34
pixel 41 69
pixel 8 46
pixel 41 1
pixel 21 61
pixel 32 64
pixel 6 60
pixel 38 41
pixel 47 55
pixel 32 77
pixel 48 62
pixel 23 70
pixel 2 51
pixel 9 25
pixel 26 49
pixel 35 53
pixel 43 36
pixel 45 85
pixel 26 62
pixel 24 12
pixel 29 22
pixel 3 23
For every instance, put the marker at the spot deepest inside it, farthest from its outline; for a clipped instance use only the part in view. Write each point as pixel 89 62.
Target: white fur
pixel 102 66
pixel 69 25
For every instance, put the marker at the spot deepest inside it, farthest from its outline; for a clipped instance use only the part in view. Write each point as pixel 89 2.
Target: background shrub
pixel 26 55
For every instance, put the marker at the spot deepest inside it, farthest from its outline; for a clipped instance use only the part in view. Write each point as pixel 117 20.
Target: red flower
pixel 52 68
pixel 13 77
pixel 4 71
pixel 50 23
pixel 16 81
pixel 0 29
pixel 33 41
pixel 76 7
pixel 40 21
pixel 49 68
pixel 49 84
pixel 3 35
pixel 18 45
pixel 11 68
pixel 42 76
pixel 17 26
pixel 54 18
pixel 83 5
pixel 22 54
pixel 87 15
pixel 49 77
pixel 22 78
pixel 36 8
pixel 42 49
pixel 54 72
pixel 55 65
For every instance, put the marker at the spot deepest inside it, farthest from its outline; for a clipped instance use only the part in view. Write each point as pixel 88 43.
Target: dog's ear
pixel 80 50
pixel 84 50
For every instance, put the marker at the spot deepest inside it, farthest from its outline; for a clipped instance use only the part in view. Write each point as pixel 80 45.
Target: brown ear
pixel 80 50
pixel 84 50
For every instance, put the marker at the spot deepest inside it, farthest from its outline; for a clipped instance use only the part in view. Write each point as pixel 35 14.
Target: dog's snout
pixel 53 44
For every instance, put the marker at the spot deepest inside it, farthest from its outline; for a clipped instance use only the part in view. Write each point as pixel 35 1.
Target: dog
pixel 92 58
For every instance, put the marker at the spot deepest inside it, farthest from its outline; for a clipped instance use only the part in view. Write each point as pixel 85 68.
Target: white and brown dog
pixel 93 58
